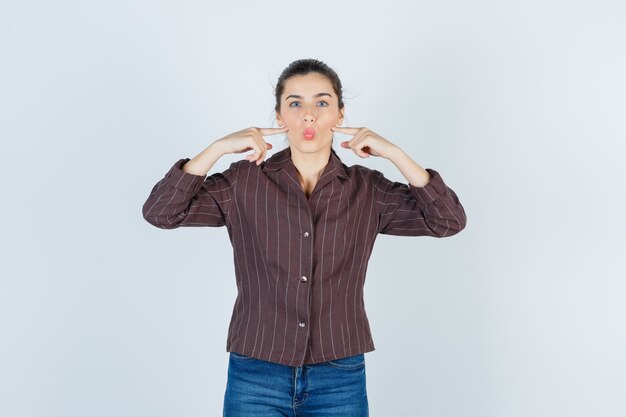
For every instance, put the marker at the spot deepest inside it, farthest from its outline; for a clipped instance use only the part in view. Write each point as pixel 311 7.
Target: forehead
pixel 308 85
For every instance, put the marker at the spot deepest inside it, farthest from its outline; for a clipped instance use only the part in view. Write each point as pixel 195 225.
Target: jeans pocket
pixel 240 357
pixel 350 362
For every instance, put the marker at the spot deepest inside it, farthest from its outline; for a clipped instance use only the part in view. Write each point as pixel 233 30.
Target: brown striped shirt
pixel 300 262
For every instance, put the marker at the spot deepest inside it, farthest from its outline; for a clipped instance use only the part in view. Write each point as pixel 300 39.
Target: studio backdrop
pixel 519 106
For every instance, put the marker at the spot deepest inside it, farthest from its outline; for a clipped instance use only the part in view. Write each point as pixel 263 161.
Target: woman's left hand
pixel 365 142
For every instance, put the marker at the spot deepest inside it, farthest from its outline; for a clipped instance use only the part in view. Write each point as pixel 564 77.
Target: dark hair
pixel 304 67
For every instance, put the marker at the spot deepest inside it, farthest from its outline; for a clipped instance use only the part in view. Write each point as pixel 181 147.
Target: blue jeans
pixel 257 388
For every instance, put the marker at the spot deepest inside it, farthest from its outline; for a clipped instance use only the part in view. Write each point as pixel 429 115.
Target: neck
pixel 310 163
pixel 309 168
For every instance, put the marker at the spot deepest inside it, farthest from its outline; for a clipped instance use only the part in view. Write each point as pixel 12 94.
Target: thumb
pixel 345 144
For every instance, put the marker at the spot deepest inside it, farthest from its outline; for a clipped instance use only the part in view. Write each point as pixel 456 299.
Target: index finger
pixel 347 130
pixel 269 131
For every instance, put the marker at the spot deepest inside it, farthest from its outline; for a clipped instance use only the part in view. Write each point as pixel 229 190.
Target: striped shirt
pixel 300 263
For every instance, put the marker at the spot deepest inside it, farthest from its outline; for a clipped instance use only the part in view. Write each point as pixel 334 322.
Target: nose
pixel 309 115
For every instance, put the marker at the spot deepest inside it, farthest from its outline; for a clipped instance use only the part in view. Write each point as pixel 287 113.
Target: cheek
pixel 329 120
pixel 288 120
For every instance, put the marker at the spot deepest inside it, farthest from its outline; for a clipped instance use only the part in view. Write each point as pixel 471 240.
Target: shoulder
pixel 243 167
pixel 366 180
pixel 363 173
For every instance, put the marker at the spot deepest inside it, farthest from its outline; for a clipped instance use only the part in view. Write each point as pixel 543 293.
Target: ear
pixel 279 120
pixel 340 119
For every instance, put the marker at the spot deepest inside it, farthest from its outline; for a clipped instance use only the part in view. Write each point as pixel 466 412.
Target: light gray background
pixel 520 106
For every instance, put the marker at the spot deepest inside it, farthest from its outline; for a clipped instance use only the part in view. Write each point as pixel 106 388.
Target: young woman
pixel 302 225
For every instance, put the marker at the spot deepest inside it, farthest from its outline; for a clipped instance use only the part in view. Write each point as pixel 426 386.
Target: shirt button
pixel 303 279
pixel 306 234
pixel 301 324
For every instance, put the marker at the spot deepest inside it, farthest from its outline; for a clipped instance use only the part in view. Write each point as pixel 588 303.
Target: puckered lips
pixel 309 133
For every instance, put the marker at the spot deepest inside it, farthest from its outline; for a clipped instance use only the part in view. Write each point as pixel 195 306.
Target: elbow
pixel 162 222
pixel 455 226
pixel 449 227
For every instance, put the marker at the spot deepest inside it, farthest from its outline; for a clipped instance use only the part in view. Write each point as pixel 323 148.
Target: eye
pixel 294 104
pixel 323 103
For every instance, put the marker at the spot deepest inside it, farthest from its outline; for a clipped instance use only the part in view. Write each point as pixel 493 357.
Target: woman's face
pixel 309 107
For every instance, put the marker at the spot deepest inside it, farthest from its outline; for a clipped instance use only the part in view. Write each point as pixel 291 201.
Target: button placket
pixel 303 313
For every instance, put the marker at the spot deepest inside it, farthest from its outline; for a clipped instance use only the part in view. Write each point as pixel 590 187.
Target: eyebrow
pixel 300 97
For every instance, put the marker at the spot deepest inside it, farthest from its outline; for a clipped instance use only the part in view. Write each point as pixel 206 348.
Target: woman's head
pixel 309 102
pixel 304 67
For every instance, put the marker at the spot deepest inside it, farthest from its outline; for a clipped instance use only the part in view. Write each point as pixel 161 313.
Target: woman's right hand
pixel 249 139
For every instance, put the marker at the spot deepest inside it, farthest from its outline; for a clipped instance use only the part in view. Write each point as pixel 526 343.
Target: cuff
pixel 182 180
pixel 432 191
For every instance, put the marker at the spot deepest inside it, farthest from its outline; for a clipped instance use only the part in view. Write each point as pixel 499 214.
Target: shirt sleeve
pixel 407 210
pixel 184 199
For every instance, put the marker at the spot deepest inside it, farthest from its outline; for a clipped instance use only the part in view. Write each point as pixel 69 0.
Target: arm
pixel 426 206
pixel 407 210
pixel 185 198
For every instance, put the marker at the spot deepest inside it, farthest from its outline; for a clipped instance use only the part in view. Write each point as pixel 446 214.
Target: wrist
pixel 217 148
pixel 395 153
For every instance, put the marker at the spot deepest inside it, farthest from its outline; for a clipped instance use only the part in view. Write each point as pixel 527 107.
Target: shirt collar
pixel 282 159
